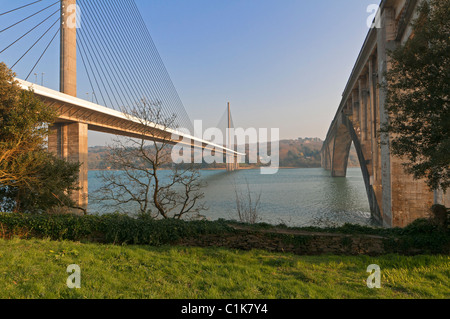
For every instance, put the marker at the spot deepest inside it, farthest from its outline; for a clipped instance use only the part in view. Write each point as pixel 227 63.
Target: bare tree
pixel 247 206
pixel 146 175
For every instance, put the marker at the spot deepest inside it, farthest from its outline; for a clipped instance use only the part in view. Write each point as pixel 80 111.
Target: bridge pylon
pixel 232 160
pixel 69 140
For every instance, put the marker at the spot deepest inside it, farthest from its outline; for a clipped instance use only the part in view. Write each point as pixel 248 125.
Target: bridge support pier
pixel 232 163
pixel 69 141
pixel 396 198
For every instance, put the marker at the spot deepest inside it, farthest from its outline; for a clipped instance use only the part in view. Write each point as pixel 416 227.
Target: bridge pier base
pixel 232 163
pixel 69 141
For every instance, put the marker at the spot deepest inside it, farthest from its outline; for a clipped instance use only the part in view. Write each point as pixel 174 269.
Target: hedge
pixel 422 236
pixel 111 228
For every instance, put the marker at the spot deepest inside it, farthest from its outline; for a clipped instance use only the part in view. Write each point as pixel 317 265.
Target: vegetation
pixel 37 269
pixel 247 205
pixel 31 179
pixel 55 179
pixel 141 162
pixel 114 228
pixel 418 87
pixel 422 236
pixel 23 121
pixel 125 257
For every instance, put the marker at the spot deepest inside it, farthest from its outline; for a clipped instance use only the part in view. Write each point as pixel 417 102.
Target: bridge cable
pixel 118 68
pixel 83 53
pixel 150 82
pixel 120 54
pixel 29 17
pixel 28 32
pixel 87 73
pixel 111 84
pixel 157 65
pixel 131 55
pixel 1 14
pixel 100 46
pixel 97 65
pixel 99 62
pixel 26 79
pixel 130 69
pixel 148 46
pixel 35 43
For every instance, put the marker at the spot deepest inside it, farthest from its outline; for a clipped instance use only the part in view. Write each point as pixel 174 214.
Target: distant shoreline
pixel 220 169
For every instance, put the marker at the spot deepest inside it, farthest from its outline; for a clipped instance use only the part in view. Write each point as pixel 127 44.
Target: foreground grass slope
pixel 37 269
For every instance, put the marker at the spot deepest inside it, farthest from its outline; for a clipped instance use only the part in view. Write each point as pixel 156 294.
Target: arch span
pixel 338 151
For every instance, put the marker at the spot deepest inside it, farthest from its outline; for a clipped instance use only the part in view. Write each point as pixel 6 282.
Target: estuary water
pixel 294 197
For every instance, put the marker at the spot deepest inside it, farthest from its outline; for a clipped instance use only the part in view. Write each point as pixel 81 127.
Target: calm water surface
pixel 295 197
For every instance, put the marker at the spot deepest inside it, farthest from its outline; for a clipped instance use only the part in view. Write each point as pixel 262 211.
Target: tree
pixel 23 128
pixel 417 87
pixel 146 175
pixel 30 178
pixel 52 184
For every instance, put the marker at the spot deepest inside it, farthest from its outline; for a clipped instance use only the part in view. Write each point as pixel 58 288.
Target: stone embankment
pixel 292 241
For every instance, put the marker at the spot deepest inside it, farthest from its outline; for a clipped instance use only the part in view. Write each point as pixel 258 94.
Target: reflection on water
pixel 296 197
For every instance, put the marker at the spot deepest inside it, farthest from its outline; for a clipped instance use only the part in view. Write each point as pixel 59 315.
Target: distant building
pixel 308 140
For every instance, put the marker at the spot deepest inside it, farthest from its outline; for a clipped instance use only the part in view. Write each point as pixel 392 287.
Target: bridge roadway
pixel 68 136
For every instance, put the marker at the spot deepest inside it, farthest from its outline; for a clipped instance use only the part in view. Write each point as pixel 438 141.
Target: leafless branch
pixel 140 164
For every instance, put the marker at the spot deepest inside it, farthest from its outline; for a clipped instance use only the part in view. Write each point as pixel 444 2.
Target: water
pixel 295 197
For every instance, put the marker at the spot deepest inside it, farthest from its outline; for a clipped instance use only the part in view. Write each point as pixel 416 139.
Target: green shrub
pixel 422 236
pixel 114 228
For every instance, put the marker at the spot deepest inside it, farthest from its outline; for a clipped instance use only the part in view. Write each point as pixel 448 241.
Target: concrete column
pixel 236 163
pixel 356 113
pixel 404 198
pixel 362 115
pixel 377 186
pixel 327 157
pixel 70 140
pixel 441 198
pixel 386 21
pixel 78 152
pixel 371 111
pixel 349 109
pixel 68 62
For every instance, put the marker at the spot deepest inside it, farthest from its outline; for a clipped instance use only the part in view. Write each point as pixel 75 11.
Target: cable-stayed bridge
pixel 103 48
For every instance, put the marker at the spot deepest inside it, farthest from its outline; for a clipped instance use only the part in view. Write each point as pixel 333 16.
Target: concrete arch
pixel 336 152
pixel 371 195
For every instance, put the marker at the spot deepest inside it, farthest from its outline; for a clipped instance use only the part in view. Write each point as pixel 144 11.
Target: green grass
pixel 37 269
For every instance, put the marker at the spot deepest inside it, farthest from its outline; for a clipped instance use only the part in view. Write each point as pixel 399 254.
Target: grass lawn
pixel 37 269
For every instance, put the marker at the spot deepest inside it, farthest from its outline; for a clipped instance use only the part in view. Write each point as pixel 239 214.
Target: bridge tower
pixel 69 140
pixel 232 161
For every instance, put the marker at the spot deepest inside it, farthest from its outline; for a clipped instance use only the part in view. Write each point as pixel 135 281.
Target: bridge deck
pixel 106 120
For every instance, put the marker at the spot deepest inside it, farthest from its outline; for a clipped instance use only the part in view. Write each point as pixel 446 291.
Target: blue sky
pixel 281 63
